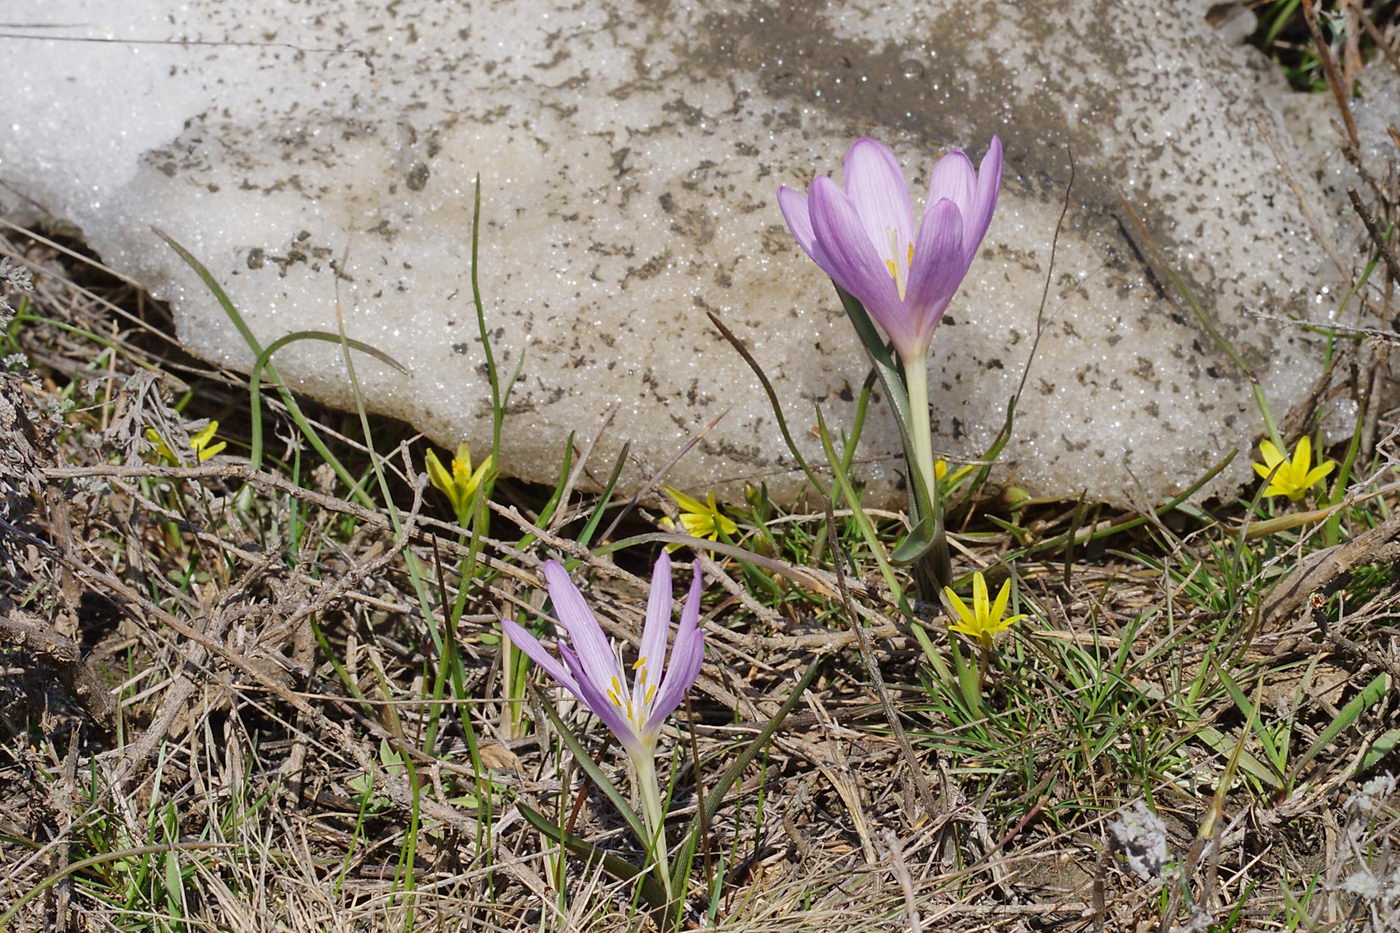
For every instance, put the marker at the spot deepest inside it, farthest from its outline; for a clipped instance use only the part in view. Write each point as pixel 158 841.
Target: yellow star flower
pixel 199 443
pixel 461 483
pixel 940 473
pixel 984 619
pixel 699 519
pixel 1291 478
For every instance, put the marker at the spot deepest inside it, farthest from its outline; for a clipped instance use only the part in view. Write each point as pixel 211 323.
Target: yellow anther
pixel 651 692
pixel 895 271
pixel 615 700
pixel 640 663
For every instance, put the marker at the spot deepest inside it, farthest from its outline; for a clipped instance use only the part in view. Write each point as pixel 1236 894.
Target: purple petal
pixel 979 218
pixel 955 179
pixel 658 626
pixel 794 207
pixel 799 221
pixel 938 267
pixel 687 655
pixel 877 188
pixel 853 261
pixel 594 696
pixel 537 653
pixel 585 635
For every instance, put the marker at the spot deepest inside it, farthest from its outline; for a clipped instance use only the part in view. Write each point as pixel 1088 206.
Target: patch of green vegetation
pixel 1283 33
pixel 320 726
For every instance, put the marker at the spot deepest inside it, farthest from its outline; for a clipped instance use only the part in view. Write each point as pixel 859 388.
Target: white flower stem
pixel 653 814
pixel 916 379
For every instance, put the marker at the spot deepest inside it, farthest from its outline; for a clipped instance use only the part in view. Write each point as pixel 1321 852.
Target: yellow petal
pixel 205 452
pixel 698 525
pixel 440 478
pixel 480 473
pixel 979 596
pixel 968 630
pixel 1271 453
pixel 959 607
pixel 1317 473
pixel 999 607
pixel 670 526
pixel 1302 456
pixel 204 436
pixel 1010 620
pixel 162 448
pixel 686 503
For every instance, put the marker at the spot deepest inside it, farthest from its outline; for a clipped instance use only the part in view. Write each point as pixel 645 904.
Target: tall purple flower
pixel 864 236
pixel 592 670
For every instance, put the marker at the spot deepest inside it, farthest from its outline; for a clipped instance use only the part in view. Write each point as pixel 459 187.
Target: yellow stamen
pixel 651 692
pixel 615 701
pixel 896 272
pixel 641 663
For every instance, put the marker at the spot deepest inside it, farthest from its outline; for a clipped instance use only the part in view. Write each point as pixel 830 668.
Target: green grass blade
pixel 1379 749
pixel 265 357
pixel 715 798
pixel 604 500
pixel 617 867
pixel 234 315
pixel 1277 760
pixel 595 773
pixel 892 378
pixel 773 402
pixel 1369 696
pixel 492 376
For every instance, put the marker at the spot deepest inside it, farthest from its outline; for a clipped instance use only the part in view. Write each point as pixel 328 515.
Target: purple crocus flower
pixel 864 236
pixel 592 670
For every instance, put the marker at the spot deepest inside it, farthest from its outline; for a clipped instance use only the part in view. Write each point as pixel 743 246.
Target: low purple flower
pixel 593 672
pixel 864 236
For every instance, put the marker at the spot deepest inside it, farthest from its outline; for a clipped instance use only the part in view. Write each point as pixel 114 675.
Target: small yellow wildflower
pixel 1291 478
pixel 199 443
pixel 699 519
pixel 459 485
pixel 940 473
pixel 163 450
pixel 984 619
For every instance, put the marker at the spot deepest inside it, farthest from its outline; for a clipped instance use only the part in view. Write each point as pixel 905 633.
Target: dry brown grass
pixel 213 694
pixel 176 739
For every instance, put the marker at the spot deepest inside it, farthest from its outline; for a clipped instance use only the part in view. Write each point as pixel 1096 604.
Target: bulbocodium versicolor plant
pixel 863 236
pixel 634 708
